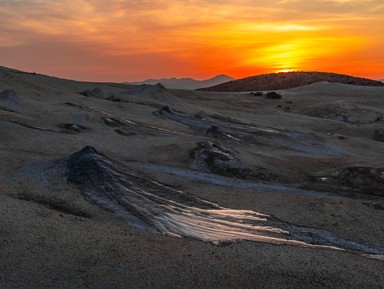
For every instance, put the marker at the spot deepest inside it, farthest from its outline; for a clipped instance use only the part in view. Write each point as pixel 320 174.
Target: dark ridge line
pixel 9 110
pixel 33 126
pixel 59 206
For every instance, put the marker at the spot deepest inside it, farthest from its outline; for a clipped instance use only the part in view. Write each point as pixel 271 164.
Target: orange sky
pixel 128 40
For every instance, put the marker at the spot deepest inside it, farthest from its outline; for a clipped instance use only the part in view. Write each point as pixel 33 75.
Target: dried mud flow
pixel 108 185
pixel 152 206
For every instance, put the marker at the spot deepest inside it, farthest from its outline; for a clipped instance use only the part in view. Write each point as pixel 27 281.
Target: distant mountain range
pixel 276 81
pixel 186 83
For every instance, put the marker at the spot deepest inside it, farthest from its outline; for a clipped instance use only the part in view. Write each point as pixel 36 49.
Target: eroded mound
pixel 96 92
pixel 218 159
pixel 154 95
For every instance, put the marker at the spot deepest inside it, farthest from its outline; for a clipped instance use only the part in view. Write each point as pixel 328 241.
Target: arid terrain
pixel 107 185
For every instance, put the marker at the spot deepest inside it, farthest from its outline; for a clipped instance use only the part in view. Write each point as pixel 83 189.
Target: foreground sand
pixel 51 237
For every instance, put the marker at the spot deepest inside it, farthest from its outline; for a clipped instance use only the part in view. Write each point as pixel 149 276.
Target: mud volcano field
pixel 106 185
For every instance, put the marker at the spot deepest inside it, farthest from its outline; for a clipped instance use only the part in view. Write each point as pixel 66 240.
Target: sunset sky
pixel 128 40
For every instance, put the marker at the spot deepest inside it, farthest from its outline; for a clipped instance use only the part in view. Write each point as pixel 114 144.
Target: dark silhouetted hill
pixel 186 83
pixel 276 81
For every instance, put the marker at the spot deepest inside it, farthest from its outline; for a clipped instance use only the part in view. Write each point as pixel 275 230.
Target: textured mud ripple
pixel 223 127
pixel 153 206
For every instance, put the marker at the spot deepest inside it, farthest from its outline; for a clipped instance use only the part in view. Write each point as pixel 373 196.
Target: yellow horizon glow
pixel 130 40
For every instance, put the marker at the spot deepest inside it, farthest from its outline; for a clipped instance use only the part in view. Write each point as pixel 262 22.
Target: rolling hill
pixel 276 81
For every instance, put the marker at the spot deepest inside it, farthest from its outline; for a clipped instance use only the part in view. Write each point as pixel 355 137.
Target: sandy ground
pixel 52 237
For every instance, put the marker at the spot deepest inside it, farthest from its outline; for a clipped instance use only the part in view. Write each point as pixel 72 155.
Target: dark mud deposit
pixel 222 160
pixel 72 127
pixel 96 92
pixel 155 207
pixel 60 206
pixel 364 180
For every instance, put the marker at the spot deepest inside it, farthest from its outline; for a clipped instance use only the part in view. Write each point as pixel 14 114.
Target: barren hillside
pixel 276 81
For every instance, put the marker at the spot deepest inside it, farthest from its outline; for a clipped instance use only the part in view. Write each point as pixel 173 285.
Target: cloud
pixel 185 31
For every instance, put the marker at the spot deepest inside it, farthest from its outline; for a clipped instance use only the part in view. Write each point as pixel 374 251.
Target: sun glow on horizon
pixel 285 71
pixel 131 40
